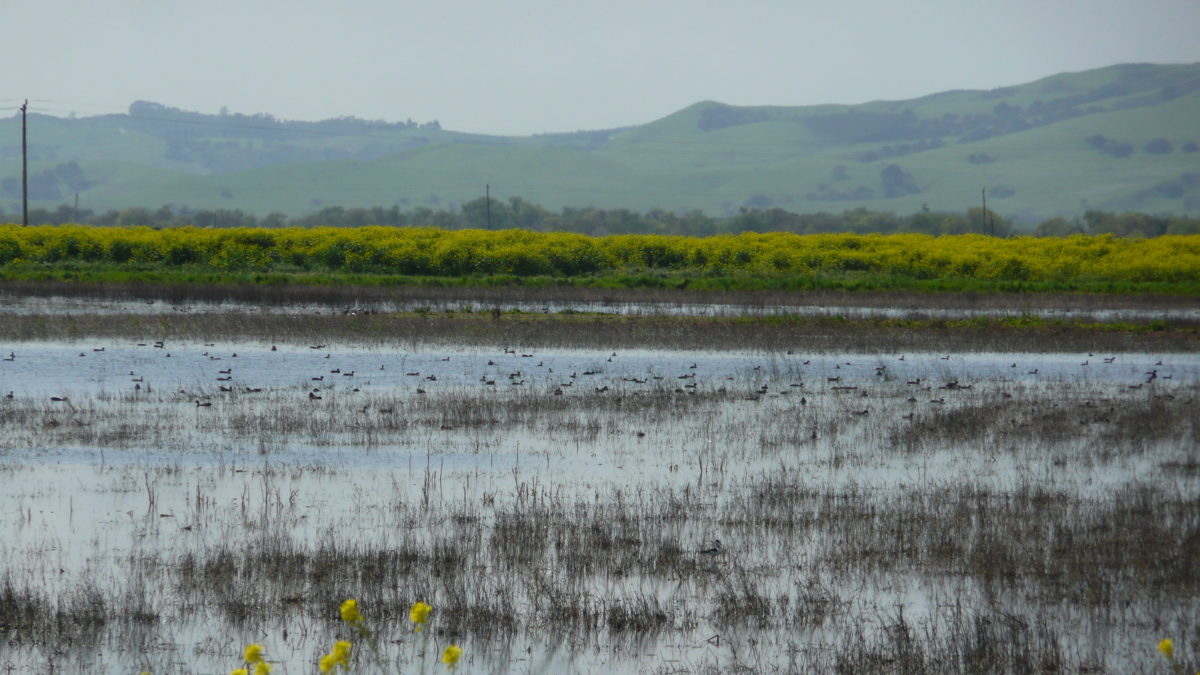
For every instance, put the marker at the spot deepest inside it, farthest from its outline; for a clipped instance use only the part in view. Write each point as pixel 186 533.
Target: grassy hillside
pixel 1057 146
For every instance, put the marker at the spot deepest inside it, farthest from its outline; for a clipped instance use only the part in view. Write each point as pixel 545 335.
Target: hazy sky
pixel 526 66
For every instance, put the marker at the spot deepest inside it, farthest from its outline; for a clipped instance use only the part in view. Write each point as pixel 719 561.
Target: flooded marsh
pixel 793 503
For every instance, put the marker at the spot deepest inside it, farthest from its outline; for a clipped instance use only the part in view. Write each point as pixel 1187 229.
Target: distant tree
pixel 71 176
pixel 1190 146
pixel 1109 146
pixel 1057 227
pixel 897 182
pixel 475 214
pixel 135 217
pixel 1158 146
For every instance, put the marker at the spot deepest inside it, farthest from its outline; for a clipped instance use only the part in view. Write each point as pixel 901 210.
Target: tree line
pixel 516 212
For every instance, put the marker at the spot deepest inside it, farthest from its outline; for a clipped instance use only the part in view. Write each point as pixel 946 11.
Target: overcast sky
pixel 528 66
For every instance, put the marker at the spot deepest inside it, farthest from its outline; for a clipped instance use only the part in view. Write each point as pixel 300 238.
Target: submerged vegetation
pixel 748 261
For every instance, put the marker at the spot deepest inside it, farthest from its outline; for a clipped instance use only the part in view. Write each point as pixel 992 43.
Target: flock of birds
pixel 845 378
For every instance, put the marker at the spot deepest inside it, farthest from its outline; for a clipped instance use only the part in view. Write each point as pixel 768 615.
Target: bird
pixel 204 404
pixel 714 550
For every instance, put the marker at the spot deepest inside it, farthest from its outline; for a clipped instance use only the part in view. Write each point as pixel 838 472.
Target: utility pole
pixel 487 191
pixel 24 169
pixel 984 215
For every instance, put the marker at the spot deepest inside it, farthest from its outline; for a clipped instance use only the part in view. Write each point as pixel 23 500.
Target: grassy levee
pixel 377 256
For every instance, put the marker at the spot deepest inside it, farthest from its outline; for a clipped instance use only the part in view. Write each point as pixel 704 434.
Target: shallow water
pixel 184 479
pixel 89 368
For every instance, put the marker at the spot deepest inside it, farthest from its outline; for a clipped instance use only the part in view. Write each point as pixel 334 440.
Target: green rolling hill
pixel 1118 138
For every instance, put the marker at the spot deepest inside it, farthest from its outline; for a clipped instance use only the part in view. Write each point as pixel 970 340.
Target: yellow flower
pixel 419 613
pixel 339 655
pixel 450 656
pixel 253 654
pixel 239 671
pixel 1167 648
pixel 262 668
pixel 350 613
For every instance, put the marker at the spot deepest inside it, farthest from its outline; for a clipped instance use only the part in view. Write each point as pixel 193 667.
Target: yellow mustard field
pixel 435 252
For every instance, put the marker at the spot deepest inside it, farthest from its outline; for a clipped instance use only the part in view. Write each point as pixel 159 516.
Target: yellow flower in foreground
pixel 253 654
pixel 450 656
pixel 239 671
pixel 340 655
pixel 262 668
pixel 1167 648
pixel 350 613
pixel 419 613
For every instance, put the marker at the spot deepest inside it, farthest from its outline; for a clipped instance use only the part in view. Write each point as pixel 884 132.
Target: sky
pixel 519 67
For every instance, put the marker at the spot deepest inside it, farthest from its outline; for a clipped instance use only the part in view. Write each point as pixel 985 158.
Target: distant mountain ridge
pixel 1117 138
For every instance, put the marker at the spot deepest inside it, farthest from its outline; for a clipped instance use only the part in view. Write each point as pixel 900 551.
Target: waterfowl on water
pixel 203 404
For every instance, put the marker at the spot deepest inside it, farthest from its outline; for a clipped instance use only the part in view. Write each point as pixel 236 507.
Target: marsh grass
pixel 800 333
pixel 441 297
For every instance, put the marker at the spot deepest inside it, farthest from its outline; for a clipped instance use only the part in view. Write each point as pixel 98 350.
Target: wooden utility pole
pixel 24 169
pixel 984 215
